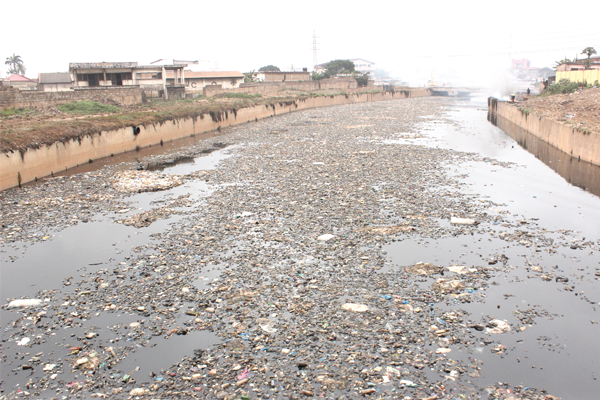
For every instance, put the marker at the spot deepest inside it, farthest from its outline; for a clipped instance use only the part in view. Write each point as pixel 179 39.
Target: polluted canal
pixel 398 249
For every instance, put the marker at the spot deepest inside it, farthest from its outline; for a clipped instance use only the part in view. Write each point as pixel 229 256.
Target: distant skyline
pixel 409 40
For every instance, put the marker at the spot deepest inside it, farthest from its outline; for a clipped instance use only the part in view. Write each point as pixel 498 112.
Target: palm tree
pixel 588 51
pixel 250 77
pixel 16 65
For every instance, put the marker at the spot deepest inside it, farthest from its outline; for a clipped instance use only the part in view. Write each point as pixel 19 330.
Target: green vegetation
pixel 345 67
pixel 361 79
pixel 334 68
pixel 87 107
pixel 250 77
pixel 564 86
pixel 14 111
pixel 269 68
pixel 588 51
pixel 242 96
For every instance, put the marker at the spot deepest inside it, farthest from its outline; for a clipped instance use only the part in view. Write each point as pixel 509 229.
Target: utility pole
pixel 510 50
pixel 314 48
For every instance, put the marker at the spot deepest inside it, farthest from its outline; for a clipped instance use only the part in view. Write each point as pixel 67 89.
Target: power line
pixel 503 53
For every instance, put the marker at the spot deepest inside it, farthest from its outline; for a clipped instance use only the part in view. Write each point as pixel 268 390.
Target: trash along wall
pixel 578 143
pixel 17 168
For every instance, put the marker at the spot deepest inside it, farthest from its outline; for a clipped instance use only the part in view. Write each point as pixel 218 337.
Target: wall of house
pixel 37 163
pixel 55 87
pixel 575 142
pixel 24 85
pixel 589 75
pixel 13 97
pixel 283 76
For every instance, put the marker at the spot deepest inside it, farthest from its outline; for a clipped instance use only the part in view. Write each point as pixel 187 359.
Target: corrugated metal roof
pixel 55 77
pixel 208 74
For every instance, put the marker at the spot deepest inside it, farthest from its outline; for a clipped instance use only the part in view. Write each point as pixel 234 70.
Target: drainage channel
pixel 62 265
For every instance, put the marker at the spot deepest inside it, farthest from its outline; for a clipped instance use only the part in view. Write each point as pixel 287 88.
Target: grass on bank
pixel 242 96
pixel 14 111
pixel 87 107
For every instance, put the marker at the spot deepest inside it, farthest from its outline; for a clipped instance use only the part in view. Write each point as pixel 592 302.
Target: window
pixel 82 77
pixel 147 75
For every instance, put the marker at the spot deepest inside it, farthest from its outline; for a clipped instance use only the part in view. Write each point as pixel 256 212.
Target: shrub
pixel 565 86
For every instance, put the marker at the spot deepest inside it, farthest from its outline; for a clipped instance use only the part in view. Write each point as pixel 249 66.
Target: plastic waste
pixel 355 307
pixel 326 237
pixel 24 303
pixel 462 221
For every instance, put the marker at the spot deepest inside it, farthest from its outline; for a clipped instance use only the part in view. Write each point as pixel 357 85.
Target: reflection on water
pixel 578 173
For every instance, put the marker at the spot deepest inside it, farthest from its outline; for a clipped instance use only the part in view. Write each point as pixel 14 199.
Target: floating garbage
pixel 497 326
pixel 144 181
pixel 355 307
pixel 326 237
pixel 462 221
pixel 24 303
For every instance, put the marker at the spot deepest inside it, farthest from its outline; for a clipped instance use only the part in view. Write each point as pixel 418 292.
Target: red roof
pixel 18 78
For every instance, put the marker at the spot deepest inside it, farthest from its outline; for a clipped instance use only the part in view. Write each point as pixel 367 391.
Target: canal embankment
pixel 19 167
pixel 578 142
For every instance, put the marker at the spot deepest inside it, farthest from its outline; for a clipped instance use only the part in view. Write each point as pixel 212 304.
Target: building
pixel 579 65
pixel 151 78
pixel 21 82
pixel 522 69
pixel 196 81
pixel 363 66
pixel 269 76
pixel 522 63
pixel 55 81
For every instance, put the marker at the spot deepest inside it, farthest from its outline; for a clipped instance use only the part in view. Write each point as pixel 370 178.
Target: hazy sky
pixel 407 38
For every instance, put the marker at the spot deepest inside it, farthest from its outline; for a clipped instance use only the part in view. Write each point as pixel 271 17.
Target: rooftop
pixel 103 64
pixel 18 78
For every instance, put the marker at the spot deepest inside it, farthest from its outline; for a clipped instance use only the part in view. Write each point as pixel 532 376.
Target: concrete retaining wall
pixel 18 168
pixel 576 142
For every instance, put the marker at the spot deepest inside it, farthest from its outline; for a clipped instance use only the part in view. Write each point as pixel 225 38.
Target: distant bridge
pixel 449 91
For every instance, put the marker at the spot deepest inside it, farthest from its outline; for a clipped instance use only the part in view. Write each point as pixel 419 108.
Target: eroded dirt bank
pixel 322 253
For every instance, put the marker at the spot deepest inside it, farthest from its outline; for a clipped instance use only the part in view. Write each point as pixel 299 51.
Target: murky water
pixel 84 249
pixel 558 350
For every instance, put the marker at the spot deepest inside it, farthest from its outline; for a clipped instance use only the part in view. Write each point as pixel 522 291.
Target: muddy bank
pixel 322 253
pixel 19 167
